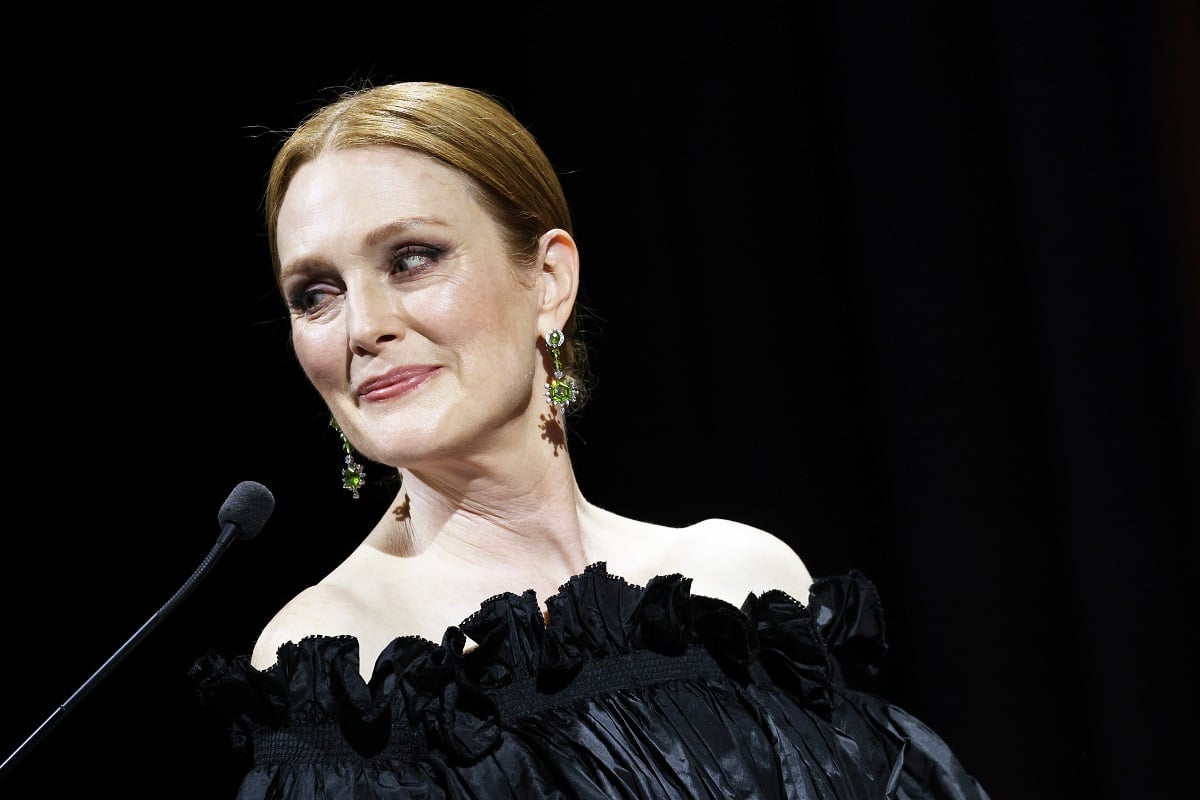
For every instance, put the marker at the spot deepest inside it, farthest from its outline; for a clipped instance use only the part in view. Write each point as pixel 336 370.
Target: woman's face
pixel 407 315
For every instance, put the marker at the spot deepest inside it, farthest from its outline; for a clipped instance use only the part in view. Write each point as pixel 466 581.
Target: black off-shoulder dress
pixel 629 692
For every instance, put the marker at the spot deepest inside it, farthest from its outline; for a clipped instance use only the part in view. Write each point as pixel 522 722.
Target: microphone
pixel 244 512
pixel 242 516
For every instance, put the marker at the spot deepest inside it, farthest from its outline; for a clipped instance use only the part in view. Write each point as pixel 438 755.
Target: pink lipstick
pixel 395 383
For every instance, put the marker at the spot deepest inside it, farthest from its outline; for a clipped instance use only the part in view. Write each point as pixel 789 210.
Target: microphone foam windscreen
pixel 248 506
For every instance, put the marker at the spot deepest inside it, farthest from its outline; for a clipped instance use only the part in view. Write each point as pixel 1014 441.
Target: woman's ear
pixel 558 281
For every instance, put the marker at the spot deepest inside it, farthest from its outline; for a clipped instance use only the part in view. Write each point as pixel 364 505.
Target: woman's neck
pixel 505 525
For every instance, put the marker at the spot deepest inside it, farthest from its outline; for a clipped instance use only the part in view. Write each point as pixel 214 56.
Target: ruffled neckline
pixel 805 648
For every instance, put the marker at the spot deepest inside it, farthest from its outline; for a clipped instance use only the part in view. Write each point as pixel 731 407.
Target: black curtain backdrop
pixel 916 286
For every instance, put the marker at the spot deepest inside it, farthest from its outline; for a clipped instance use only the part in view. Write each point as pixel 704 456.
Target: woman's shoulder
pixel 326 608
pixel 725 550
pixel 723 558
pixel 369 597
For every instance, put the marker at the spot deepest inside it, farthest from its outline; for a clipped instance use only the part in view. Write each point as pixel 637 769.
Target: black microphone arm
pixel 242 516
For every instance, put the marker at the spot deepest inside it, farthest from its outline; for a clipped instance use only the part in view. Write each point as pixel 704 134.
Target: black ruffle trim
pixel 457 700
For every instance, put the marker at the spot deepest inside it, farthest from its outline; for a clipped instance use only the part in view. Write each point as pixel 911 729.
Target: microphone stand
pixel 229 533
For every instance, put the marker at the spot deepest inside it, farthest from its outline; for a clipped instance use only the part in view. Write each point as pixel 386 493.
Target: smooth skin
pixel 425 340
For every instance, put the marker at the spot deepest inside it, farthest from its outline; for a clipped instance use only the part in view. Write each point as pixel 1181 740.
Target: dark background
pixel 916 286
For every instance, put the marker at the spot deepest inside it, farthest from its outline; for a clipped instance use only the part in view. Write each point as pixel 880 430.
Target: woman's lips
pixel 394 383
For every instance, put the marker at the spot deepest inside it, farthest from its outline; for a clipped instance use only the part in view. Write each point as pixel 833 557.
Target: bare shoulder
pixel 732 558
pixel 323 609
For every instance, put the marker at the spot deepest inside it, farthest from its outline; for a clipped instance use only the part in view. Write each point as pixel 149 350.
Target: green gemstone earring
pixel 561 390
pixel 354 475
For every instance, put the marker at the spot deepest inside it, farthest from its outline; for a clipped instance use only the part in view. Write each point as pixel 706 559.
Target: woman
pixel 496 634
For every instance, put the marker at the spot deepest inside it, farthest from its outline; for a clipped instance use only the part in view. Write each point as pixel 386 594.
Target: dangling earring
pixel 561 390
pixel 354 475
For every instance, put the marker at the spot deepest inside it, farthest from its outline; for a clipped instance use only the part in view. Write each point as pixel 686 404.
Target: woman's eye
pixel 312 298
pixel 414 259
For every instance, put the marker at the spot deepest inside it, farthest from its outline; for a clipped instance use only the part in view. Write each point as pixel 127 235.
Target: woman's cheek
pixel 322 359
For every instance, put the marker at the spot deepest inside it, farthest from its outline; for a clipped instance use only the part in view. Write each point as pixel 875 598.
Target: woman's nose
pixel 373 316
